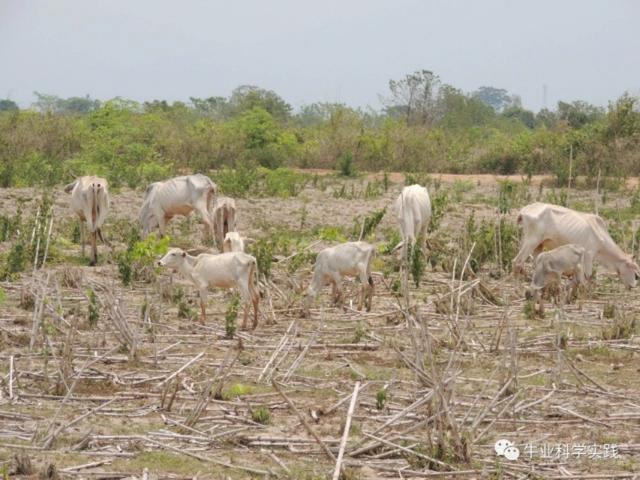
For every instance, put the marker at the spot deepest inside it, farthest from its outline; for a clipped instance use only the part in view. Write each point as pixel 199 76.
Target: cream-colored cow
pixel 90 201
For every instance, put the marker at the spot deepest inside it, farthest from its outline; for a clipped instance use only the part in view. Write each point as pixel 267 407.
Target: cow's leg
pixel 256 301
pixel 201 207
pixel 245 295
pixel 528 246
pixel 82 237
pixel 203 304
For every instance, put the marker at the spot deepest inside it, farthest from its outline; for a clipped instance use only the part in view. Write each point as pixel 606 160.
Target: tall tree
pixel 496 98
pixel 415 98
pixel 7 105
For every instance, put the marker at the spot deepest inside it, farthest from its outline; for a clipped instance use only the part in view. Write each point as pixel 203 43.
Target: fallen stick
pixel 583 417
pixel 345 433
pixel 194 359
pixel 304 421
pixel 46 444
pixel 11 378
pixel 86 465
pixel 408 450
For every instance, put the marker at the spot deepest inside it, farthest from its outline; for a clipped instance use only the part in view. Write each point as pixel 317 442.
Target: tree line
pixel 425 125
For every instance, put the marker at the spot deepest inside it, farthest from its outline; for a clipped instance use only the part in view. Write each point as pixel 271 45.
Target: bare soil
pixel 582 400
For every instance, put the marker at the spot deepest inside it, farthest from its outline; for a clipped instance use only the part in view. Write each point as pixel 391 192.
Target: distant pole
pixel 544 95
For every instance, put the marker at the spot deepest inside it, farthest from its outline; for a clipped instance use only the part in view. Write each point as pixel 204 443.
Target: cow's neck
pixel 186 267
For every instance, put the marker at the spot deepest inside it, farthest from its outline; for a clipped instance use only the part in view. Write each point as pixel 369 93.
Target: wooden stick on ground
pixel 304 421
pixel 345 434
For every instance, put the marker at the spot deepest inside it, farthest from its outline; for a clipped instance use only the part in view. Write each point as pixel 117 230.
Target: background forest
pixel 424 126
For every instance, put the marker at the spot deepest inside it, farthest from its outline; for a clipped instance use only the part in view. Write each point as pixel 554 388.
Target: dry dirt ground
pixel 444 373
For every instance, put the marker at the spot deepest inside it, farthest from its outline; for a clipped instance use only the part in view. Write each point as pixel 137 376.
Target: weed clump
pixel 231 316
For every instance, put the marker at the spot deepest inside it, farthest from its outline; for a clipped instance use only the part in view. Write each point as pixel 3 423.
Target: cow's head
pixel 173 258
pixel 629 272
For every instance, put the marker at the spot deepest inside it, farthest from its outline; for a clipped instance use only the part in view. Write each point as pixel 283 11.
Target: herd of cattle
pixel 576 240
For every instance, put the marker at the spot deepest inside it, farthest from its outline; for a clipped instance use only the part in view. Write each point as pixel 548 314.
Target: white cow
pixel 225 270
pixel 347 259
pixel 177 196
pixel 90 201
pixel 413 211
pixel 224 219
pixel 549 226
pixel 549 267
pixel 233 242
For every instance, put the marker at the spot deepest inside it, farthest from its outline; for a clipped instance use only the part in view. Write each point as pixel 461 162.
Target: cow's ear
pixel 184 254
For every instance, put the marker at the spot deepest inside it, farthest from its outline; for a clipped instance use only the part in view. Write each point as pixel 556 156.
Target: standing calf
pixel 550 266
pixel 90 201
pixel 233 242
pixel 225 270
pixel 347 259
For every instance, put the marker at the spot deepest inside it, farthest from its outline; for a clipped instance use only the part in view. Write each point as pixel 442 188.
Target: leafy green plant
pixel 231 316
pixel 263 251
pixel 93 314
pixel 416 262
pixel 439 203
pixel 381 398
pixel 138 262
pixel 346 167
pixel 369 225
pixel 261 415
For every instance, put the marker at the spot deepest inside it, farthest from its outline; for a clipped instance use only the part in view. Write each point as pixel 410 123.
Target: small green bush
pixel 231 316
pixel 261 415
pixel 346 167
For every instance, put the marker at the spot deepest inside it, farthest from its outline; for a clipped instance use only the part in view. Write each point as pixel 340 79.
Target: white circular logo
pixel 511 453
pixel 502 445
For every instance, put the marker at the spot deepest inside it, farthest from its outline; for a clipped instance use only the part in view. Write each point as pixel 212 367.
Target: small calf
pixel 347 259
pixel 233 242
pixel 225 270
pixel 550 266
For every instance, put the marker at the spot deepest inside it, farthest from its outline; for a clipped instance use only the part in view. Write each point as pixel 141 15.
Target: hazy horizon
pixel 306 52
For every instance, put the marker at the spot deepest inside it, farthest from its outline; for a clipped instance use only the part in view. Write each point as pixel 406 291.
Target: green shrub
pixel 93 314
pixel 231 316
pixel 138 262
pixel 370 224
pixel 381 398
pixel 346 166
pixel 261 415
pixel 439 203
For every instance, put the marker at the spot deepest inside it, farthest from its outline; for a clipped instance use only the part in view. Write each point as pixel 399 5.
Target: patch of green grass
pixel 237 390
pixel 261 415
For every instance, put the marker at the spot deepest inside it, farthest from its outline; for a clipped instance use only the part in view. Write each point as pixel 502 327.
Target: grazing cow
pixel 177 196
pixel 225 270
pixel 90 201
pixel 549 267
pixel 233 242
pixel 347 259
pixel 545 225
pixel 413 211
pixel 224 219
